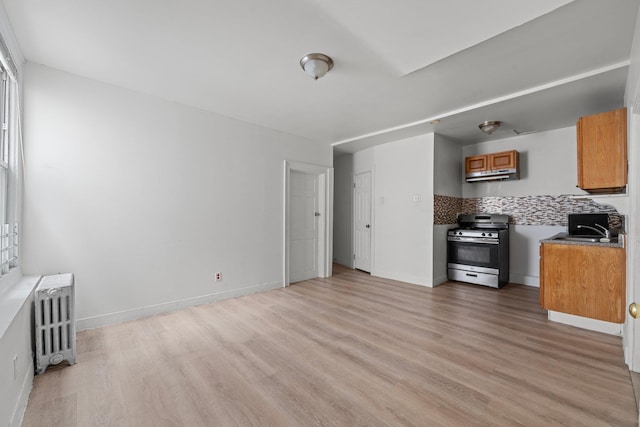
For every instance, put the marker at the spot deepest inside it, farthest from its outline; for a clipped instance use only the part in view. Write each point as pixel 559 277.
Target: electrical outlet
pixel 218 276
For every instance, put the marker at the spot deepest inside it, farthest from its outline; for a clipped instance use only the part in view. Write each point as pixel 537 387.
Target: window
pixel 9 122
pixel 4 144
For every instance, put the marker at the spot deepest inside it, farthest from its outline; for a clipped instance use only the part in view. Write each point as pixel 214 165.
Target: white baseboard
pixel 414 280
pixel 586 323
pixel 21 405
pixel 141 312
pixel 524 279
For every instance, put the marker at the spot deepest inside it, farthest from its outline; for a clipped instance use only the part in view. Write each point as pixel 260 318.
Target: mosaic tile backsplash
pixel 446 209
pixel 526 210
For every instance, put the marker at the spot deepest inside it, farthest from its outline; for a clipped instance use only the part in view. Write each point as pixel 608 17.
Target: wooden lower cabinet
pixel 583 280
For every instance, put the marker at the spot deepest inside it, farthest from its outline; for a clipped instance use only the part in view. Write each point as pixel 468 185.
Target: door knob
pixel 633 310
pixel 317 214
pixel 368 226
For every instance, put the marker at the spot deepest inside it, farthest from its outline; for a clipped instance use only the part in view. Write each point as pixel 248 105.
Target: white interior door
pixel 362 221
pixel 304 226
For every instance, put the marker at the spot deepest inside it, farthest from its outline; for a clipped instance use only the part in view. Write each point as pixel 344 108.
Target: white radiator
pixel 55 321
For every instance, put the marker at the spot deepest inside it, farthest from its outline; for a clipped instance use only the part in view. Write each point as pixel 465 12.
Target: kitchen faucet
pixel 604 234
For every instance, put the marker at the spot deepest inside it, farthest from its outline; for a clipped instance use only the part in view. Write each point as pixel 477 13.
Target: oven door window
pixel 478 254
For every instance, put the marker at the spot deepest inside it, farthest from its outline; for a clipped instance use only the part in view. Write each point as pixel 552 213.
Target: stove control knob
pixel 459 233
pixel 482 234
pixel 489 234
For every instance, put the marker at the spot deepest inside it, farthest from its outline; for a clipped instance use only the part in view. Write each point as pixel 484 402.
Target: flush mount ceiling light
pixel 316 64
pixel 490 126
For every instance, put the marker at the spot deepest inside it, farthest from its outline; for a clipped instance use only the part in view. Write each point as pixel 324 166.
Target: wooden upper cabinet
pixel 493 161
pixel 588 281
pixel 476 164
pixel 503 160
pixel 602 152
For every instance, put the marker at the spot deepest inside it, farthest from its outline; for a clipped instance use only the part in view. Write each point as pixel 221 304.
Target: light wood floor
pixel 347 351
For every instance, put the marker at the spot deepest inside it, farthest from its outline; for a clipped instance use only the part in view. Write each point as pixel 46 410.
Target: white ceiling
pixel 413 34
pixel 535 65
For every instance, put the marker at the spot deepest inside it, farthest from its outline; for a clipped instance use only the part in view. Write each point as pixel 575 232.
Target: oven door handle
pixel 476 240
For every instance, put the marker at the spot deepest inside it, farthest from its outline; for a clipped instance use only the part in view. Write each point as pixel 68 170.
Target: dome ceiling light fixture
pixel 316 64
pixel 489 127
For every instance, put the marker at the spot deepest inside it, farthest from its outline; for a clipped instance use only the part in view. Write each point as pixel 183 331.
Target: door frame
pixel 325 223
pixel 631 330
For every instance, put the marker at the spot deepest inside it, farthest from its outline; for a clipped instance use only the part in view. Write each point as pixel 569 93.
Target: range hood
pixel 493 175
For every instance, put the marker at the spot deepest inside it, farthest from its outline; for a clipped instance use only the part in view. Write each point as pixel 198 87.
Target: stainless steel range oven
pixel 478 250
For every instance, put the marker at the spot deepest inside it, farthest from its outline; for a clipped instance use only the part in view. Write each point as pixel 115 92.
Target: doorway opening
pixel 308 221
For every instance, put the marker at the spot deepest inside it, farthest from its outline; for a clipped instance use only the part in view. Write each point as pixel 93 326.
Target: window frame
pixel 10 150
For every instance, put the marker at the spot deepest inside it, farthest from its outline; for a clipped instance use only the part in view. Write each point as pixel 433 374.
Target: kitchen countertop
pixel 554 240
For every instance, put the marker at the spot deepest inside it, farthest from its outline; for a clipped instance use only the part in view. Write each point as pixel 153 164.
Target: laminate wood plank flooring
pixel 351 350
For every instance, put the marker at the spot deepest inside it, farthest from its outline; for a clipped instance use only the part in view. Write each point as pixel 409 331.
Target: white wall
pixel 402 228
pixel 440 253
pixel 632 89
pixel 16 342
pixel 447 181
pixel 145 199
pixel 343 208
pixel 524 251
pixel 16 346
pixel 363 161
pixel 548 165
pixel 447 169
